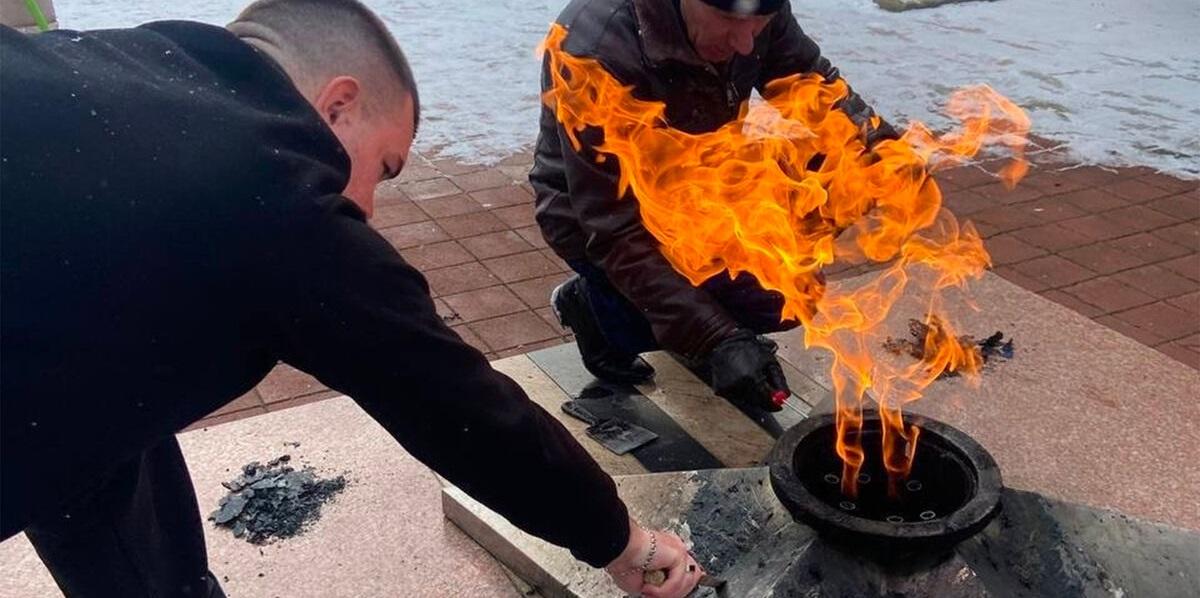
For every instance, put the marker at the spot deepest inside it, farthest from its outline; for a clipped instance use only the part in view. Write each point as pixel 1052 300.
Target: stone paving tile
pixel 448 314
pixel 547 315
pixel 1183 352
pixel 516 216
pixel 554 259
pixel 1157 281
pixel 1162 319
pixel 522 266
pixel 1103 258
pixel 304 400
pixel 1093 200
pixel 533 235
pixel 1187 266
pixel 513 331
pixel 415 234
pixel 450 167
pixel 1186 234
pixel 216 420
pixel 395 214
pixel 536 292
pixel 470 225
pixel 497 244
pixel 1052 237
pixel 1054 271
pixel 1073 303
pixel 1149 248
pixel 429 189
pixel 483 179
pixel 1189 303
pixel 436 255
pixel 1009 249
pixel 508 195
pixel 1185 206
pixel 1136 190
pixel 249 400
pixel 1136 333
pixel 285 382
pixel 472 339
pixel 1140 218
pixel 1108 295
pixel 449 205
pixel 459 279
pixel 388 193
pixel 485 303
pixel 965 202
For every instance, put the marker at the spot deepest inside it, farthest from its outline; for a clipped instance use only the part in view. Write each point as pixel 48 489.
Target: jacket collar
pixel 662 33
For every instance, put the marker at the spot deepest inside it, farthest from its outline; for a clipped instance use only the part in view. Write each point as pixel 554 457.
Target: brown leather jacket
pixel 643 43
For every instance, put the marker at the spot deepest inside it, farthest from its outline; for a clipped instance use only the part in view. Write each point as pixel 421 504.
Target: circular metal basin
pixel 951 493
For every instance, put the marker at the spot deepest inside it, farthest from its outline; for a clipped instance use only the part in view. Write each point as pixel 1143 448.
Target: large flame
pixel 790 188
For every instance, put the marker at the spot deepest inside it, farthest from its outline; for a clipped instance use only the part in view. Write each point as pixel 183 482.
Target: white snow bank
pixel 1117 80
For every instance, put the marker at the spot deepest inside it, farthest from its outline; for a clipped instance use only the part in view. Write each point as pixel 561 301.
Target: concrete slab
pixel 383 536
pixel 739 531
pixel 1081 413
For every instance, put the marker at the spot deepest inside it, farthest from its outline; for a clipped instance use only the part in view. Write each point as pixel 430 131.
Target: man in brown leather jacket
pixel 701 58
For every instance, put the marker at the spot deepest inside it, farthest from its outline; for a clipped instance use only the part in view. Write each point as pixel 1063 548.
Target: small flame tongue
pixel 789 189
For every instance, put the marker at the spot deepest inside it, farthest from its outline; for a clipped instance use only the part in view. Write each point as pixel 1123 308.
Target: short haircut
pixel 317 40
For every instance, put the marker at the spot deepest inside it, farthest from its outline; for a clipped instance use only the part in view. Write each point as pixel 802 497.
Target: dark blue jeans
pixel 627 330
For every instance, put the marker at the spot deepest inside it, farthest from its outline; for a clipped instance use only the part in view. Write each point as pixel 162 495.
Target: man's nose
pixel 742 40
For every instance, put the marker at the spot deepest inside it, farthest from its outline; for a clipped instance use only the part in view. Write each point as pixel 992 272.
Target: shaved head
pixel 344 61
pixel 316 41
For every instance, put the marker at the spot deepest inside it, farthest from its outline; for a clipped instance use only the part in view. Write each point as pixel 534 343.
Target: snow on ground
pixel 1117 80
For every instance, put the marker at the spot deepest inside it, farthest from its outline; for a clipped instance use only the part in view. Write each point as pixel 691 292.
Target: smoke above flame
pixel 789 189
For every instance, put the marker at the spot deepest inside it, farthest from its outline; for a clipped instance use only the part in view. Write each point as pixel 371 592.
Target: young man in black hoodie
pixel 184 206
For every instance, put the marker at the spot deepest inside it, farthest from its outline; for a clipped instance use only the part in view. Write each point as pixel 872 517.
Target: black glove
pixel 745 370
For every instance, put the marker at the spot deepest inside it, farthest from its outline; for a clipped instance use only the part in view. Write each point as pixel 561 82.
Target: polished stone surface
pixel 1081 413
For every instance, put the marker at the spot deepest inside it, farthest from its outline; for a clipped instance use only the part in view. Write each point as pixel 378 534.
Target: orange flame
pixel 790 188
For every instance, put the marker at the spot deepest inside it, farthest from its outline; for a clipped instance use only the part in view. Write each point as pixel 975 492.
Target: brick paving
pixel 1120 246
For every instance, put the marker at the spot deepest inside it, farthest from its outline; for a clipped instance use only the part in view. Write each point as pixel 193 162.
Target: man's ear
pixel 340 98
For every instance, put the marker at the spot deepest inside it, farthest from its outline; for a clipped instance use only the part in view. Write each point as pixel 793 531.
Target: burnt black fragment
pixel 274 500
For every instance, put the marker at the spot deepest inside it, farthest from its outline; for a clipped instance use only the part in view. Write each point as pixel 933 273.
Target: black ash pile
pixel 274 500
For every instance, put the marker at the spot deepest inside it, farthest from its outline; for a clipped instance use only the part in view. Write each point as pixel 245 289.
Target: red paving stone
pixel 1120 246
pixel 522 266
pixel 513 331
pixel 497 244
pixel 436 255
pixel 483 179
pixel 429 189
pixel 500 197
pixel 285 382
pixel 396 213
pixel 470 225
pixel 447 206
pixel 415 234
pixel 460 279
pixel 482 304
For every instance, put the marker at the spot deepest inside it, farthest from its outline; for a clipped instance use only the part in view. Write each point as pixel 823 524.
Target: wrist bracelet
pixel 653 549
pixel 649 558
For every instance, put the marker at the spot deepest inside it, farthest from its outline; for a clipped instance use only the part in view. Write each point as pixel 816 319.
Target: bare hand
pixel 670 556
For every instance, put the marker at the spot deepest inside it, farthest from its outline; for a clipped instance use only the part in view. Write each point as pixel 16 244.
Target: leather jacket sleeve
pixel 684 318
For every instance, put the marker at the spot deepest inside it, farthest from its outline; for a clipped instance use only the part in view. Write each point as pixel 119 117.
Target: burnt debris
pixel 991 349
pixel 274 500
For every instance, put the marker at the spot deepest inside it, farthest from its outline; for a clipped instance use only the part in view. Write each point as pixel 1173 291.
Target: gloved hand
pixel 744 369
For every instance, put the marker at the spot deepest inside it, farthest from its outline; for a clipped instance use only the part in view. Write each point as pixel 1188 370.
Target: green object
pixel 38 16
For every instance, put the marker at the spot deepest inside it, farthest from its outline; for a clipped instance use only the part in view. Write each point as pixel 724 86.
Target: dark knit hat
pixel 747 7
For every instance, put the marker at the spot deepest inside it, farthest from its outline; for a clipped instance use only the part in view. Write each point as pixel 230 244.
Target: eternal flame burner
pixel 951 493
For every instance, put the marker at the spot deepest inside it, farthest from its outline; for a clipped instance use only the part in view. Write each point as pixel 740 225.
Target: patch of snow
pixel 1117 81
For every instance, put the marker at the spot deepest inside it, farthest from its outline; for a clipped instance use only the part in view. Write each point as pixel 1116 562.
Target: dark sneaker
pixel 570 304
